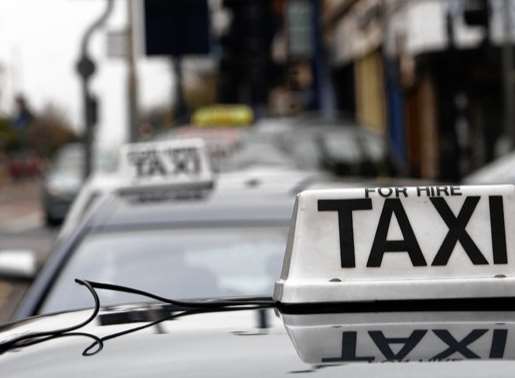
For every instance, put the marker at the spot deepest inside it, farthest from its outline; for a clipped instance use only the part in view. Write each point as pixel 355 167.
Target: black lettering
pixel 457 232
pixel 498 230
pixel 408 244
pixel 388 192
pixel 348 350
pixel 383 344
pixel 455 191
pixel 369 190
pixel 498 343
pixel 345 224
pixel 455 346
pixel 138 159
pixel 147 163
pixel 401 190
pixel 185 160
pixel 443 189
pixel 421 189
pixel 155 165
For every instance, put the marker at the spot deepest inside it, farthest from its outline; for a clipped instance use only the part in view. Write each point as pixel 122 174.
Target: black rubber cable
pixel 211 303
pixel 188 308
pixel 43 336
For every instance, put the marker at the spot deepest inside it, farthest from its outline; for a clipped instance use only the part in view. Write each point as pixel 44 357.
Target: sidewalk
pixel 21 227
pixel 20 206
pixel 20 191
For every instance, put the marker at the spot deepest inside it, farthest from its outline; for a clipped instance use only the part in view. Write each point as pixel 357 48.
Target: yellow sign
pixel 223 115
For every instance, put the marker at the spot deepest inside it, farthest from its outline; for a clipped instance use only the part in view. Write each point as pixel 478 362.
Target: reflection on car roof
pixel 229 343
pixel 236 207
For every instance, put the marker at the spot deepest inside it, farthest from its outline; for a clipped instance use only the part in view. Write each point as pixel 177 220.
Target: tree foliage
pixel 49 131
pixel 8 138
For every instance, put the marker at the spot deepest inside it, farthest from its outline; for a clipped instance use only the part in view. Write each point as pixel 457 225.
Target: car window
pixel 179 263
pixel 70 158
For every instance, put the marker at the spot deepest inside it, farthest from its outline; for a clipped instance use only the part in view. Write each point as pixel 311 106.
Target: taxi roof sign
pixel 223 115
pixel 400 243
pixel 171 164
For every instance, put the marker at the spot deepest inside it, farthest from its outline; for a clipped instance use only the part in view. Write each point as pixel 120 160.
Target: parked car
pixel 62 183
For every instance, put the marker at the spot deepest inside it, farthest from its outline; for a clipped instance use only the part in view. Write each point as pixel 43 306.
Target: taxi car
pixel 225 115
pixel 176 226
pixel 419 277
pixel 254 179
pixel 188 248
pixel 437 344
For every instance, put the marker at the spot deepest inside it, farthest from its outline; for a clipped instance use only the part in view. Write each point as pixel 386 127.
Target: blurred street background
pixel 431 80
pixel 22 227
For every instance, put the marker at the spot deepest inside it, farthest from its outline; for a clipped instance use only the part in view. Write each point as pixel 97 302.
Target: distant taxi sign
pixel 397 243
pixel 223 115
pixel 169 164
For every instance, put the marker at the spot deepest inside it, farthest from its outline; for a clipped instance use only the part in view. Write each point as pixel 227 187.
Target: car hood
pixel 216 344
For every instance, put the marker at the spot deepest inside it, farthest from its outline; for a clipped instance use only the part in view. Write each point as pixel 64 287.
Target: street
pixel 21 227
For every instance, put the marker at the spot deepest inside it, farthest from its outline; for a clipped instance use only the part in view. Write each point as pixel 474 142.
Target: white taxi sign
pixel 397 243
pixel 174 163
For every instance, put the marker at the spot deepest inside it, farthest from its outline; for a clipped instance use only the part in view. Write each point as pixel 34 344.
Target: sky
pixel 39 45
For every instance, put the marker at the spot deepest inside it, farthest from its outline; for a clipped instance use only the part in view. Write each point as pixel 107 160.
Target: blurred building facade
pixel 427 74
pixel 246 70
pixel 271 55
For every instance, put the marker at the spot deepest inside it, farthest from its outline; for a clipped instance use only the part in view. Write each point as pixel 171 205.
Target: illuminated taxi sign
pixel 169 164
pixel 402 337
pixel 223 115
pixel 400 243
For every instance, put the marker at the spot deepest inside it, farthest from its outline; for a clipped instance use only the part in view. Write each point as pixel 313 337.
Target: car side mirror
pixel 18 264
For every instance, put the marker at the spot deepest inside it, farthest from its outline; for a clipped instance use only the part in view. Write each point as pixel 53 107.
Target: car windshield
pixel 70 159
pixel 179 263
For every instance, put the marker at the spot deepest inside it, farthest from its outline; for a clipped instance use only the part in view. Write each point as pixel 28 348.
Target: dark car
pixel 337 146
pixel 340 147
